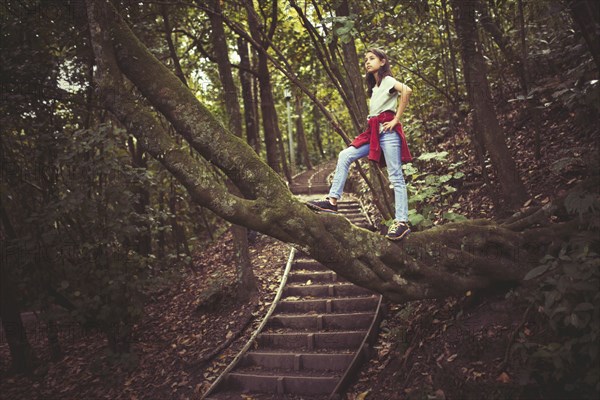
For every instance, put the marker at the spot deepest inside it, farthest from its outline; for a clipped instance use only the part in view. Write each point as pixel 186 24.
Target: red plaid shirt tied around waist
pixel 371 136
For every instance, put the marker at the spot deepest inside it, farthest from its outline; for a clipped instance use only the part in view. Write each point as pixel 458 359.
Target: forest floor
pixel 454 348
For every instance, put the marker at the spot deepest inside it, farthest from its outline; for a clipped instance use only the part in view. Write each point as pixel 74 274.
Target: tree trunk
pixel 178 231
pixel 354 78
pixel 317 133
pixel 586 14
pixel 480 100
pixel 454 65
pixel 143 239
pixel 444 260
pixel 275 158
pixel 300 136
pixel 248 97
pixel 20 351
pixel 517 62
pixel 164 9
pixel 161 240
pixel 245 276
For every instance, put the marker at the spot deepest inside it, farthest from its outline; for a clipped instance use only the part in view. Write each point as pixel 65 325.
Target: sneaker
pixel 398 230
pixel 323 205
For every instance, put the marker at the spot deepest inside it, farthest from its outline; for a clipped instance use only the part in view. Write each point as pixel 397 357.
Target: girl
pixel 384 139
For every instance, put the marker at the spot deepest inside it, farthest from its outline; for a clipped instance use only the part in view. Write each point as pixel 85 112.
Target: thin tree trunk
pixel 317 133
pixel 164 9
pixel 161 240
pixel 517 62
pixel 586 14
pixel 10 312
pixel 454 64
pixel 245 276
pixel 250 117
pixel 355 87
pixel 178 232
pixel 300 136
pixel 480 100
pixel 267 105
pixel 142 240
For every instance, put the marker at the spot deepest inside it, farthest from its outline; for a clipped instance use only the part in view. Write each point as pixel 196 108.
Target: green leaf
pixel 449 189
pixel 415 219
pixel 438 155
pixel 537 271
pixel 432 180
pixel 450 216
pixel 445 178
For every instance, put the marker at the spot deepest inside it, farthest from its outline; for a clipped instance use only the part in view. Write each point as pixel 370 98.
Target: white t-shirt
pixel 381 99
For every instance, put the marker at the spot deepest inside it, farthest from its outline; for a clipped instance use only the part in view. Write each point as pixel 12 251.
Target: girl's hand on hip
pixel 388 126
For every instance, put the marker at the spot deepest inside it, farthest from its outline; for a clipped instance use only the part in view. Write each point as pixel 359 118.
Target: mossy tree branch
pixel 441 261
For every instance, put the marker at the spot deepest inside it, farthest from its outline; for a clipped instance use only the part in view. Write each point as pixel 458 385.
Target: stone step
pixel 303 276
pixel 296 384
pixel 331 290
pixel 338 305
pixel 302 341
pixel 308 264
pixel 298 361
pixel 322 322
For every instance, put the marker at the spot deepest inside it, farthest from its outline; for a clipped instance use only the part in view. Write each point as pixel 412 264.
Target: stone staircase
pixel 315 339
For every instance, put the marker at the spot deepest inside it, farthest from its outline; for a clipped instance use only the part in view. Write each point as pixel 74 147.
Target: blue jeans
pixel 390 145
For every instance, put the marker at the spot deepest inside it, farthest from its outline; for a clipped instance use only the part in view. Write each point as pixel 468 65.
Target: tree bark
pixel 452 54
pixel 355 88
pixel 275 157
pixel 480 100
pixel 143 239
pixel 317 133
pixel 248 97
pixel 517 62
pixel 164 9
pixel 179 238
pixel 444 260
pixel 300 135
pixel 10 312
pixel 586 14
pixel 245 276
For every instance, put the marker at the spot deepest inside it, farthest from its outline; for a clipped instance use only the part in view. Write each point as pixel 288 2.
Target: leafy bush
pixel 427 188
pixel 569 299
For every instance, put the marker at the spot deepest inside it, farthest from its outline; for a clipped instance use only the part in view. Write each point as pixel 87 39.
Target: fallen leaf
pixel 362 395
pixel 229 335
pixel 503 377
pixel 440 395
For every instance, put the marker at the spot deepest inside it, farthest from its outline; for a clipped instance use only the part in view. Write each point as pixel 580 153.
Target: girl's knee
pixel 347 155
pixel 397 179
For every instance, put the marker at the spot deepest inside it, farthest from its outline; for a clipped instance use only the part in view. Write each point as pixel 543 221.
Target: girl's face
pixel 373 63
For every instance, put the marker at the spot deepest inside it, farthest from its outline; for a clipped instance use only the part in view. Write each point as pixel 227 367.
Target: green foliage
pixel 428 188
pixel 581 202
pixel 569 299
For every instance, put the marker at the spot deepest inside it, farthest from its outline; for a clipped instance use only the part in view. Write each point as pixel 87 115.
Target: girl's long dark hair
pixel 384 71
